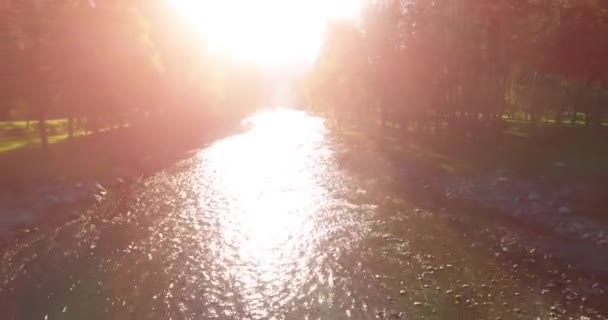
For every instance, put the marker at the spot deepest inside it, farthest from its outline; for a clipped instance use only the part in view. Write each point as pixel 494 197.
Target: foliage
pixel 107 63
pixel 462 65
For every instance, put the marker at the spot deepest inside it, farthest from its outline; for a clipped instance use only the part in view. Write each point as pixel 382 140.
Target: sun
pixel 266 32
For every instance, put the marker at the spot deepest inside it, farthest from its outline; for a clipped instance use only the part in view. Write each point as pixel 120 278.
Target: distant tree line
pixel 112 62
pixel 463 66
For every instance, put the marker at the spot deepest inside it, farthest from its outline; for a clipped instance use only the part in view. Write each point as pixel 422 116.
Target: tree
pixel 466 63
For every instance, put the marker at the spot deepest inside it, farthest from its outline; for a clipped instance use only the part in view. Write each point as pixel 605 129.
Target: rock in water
pixel 100 189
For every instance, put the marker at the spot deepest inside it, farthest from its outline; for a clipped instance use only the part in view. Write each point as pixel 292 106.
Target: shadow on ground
pixel 124 152
pixel 479 242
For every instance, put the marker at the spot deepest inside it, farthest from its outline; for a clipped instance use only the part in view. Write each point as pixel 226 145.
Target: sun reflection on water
pixel 268 225
pixel 267 177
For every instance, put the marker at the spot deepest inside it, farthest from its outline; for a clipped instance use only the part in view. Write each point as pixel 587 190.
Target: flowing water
pixel 265 225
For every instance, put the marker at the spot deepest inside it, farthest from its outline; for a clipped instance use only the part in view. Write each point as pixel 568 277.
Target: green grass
pixel 22 158
pixel 57 133
pixel 7 145
pixel 550 156
pixel 549 151
pixel 32 140
pixel 23 124
pixel 134 150
pixel 85 157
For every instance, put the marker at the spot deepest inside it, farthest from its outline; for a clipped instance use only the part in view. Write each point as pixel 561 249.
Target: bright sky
pixel 267 32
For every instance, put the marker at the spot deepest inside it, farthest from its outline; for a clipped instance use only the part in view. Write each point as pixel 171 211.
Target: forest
pixel 467 68
pixel 303 159
pixel 73 67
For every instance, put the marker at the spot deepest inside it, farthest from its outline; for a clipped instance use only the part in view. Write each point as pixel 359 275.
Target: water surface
pixel 267 224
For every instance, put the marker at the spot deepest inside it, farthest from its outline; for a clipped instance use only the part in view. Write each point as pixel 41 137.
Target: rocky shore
pixel 559 208
pixel 57 200
pixel 553 216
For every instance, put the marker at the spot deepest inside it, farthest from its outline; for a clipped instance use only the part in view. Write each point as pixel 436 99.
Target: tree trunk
pixel 573 119
pixel 44 141
pixel 70 127
pixel 39 84
pixel 596 117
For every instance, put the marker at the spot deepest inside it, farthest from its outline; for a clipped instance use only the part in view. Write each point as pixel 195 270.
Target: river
pixel 267 224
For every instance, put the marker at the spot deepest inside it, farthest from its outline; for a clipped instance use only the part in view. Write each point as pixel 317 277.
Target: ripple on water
pixel 261 225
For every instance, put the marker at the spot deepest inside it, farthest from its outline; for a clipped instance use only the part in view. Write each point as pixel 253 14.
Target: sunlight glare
pixel 267 32
pixel 271 191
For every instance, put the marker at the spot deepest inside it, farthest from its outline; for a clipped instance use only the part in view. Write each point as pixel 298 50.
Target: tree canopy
pixel 453 61
pixel 111 62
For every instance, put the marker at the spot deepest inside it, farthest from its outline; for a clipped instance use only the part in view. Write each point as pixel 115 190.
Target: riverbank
pixel 521 225
pixel 46 187
pixel 564 208
pixel 290 221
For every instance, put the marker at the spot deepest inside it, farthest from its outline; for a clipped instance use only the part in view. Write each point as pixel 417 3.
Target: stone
pixel 99 188
pixel 564 210
pixel 533 197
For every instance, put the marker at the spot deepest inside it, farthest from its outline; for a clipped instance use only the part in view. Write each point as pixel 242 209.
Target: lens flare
pixel 267 32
